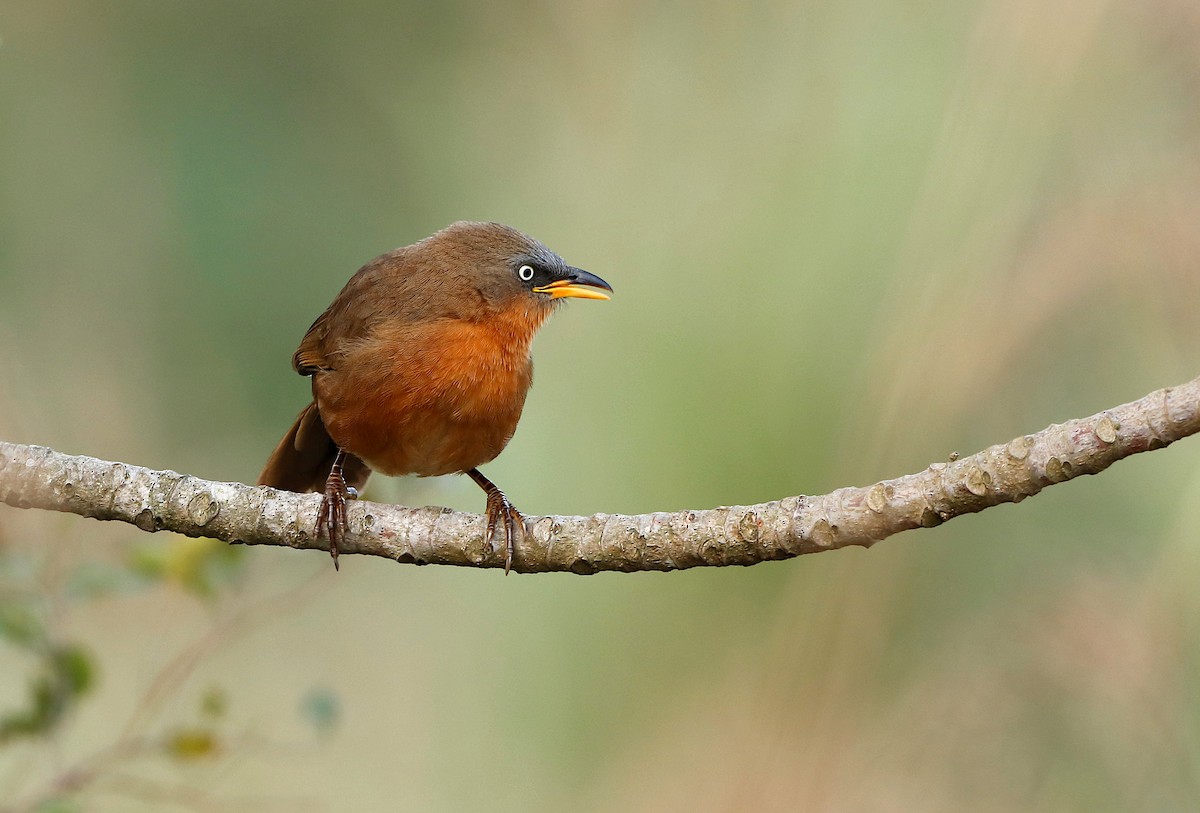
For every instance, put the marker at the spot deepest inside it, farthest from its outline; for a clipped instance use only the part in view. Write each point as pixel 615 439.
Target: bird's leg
pixel 332 516
pixel 499 510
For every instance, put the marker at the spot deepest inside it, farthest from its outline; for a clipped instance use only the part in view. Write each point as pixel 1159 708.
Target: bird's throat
pixel 514 327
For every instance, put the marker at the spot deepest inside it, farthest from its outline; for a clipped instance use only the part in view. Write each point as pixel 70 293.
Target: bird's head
pixel 508 269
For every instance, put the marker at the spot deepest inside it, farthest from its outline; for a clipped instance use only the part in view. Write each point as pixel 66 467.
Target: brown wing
pixel 406 285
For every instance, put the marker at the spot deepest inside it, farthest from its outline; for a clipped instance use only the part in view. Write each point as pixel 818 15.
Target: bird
pixel 421 366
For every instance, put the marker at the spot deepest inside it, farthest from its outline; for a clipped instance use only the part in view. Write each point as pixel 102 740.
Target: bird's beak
pixel 579 284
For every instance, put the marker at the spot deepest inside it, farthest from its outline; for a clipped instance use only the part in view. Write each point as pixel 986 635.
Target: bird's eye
pixel 525 272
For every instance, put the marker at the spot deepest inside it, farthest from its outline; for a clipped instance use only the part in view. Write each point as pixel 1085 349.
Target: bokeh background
pixel 847 240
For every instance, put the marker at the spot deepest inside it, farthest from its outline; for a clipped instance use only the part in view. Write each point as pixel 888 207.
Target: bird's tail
pixel 302 460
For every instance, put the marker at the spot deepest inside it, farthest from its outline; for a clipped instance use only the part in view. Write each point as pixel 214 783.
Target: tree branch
pixel 37 477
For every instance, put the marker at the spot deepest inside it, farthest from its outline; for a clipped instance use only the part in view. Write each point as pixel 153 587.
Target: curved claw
pixel 501 511
pixel 331 517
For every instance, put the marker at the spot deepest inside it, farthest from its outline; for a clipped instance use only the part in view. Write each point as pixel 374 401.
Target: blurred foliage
pixel 322 709
pixel 61 673
pixel 192 743
pixel 57 806
pixel 847 240
pixel 64 674
pixel 199 565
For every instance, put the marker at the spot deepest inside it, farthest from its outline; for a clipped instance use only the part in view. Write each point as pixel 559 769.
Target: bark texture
pixel 37 477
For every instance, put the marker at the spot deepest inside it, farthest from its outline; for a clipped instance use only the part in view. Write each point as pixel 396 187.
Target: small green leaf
pixel 73 668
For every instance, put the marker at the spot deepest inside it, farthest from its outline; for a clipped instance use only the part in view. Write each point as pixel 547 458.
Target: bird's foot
pixel 331 518
pixel 500 514
pixel 503 514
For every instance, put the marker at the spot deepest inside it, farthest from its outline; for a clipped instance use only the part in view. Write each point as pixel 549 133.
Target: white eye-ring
pixel 525 272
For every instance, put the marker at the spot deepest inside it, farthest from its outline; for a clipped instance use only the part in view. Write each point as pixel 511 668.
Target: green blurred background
pixel 847 239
